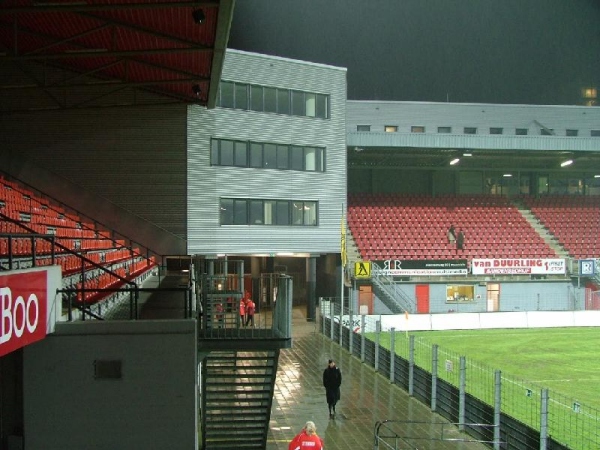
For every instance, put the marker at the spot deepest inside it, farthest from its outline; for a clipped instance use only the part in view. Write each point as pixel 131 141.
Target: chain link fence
pixel 524 415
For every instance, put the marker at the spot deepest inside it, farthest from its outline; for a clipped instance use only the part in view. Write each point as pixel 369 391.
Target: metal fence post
pixel 331 321
pixel 322 316
pixel 434 376
pixel 351 331
pixel 377 339
pixel 341 339
pixel 497 408
pixel 544 401
pixel 392 353
pixel 363 322
pixel 462 393
pixel 411 365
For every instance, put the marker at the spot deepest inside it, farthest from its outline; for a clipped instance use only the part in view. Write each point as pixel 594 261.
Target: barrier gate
pixel 414 435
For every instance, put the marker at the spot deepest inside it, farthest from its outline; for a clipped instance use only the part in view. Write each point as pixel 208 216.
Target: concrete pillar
pixel 311 286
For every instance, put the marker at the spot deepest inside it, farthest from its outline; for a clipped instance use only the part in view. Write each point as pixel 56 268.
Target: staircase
pixel 540 229
pixel 386 289
pixel 237 395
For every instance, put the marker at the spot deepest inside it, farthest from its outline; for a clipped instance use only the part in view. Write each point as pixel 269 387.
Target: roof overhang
pixel 107 52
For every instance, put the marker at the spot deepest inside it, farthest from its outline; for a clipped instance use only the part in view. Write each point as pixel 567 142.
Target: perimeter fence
pixel 521 414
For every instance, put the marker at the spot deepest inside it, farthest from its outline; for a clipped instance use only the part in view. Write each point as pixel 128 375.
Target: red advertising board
pixel 23 309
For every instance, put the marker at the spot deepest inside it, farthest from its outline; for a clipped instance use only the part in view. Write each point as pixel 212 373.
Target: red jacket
pixel 303 441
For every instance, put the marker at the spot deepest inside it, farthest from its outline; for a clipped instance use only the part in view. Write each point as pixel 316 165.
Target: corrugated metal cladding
pixel 404 115
pixel 133 156
pixel 206 184
pixel 473 141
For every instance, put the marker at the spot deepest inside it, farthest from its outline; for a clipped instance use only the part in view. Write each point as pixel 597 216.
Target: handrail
pixel 384 282
pixel 446 432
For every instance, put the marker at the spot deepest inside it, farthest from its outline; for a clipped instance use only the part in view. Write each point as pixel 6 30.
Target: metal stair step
pixel 241 425
pixel 241 374
pixel 231 435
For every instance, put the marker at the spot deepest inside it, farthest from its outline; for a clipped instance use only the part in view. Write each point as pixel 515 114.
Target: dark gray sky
pixel 496 51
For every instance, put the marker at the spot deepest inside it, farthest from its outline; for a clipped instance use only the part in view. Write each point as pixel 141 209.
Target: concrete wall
pixel 153 405
pixel 530 296
pixel 475 321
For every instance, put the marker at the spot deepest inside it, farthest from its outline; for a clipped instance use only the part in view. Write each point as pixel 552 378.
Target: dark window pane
pixel 521 131
pixel 282 213
pixel 269 212
pixel 240 216
pixel 297 158
pixel 256 212
pixel 363 127
pixel 270 156
pixel 319 160
pixel 282 157
pixel 283 101
pixel 310 213
pixel 256 155
pixel 322 101
pixel 572 132
pixel 226 153
pixel 256 98
pixel 297 213
pixel 241 155
pixel 444 129
pixel 270 100
pixel 470 130
pixel 214 152
pixel 297 103
pixel 226 211
pixel 310 100
pixel 495 130
pixel 241 96
pixel 594 133
pixel 310 159
pixel 227 94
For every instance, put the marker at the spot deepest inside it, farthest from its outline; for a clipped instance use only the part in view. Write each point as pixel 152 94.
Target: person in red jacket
pixel 250 308
pixel 242 312
pixel 307 439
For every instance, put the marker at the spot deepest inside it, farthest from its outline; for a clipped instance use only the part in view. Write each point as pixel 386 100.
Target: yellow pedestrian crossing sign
pixel 362 269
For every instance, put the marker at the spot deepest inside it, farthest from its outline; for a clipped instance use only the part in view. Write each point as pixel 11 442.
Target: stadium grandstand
pixel 150 179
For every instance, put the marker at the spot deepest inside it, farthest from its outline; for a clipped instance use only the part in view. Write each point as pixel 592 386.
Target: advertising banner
pixel 397 267
pixel 23 309
pixel 518 266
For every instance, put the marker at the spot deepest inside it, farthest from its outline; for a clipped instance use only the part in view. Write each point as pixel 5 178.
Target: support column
pixel 311 286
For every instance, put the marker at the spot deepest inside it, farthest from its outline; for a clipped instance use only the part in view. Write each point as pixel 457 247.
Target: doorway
pixel 493 297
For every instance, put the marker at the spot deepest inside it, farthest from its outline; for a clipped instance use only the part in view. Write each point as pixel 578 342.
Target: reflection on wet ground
pixel 366 398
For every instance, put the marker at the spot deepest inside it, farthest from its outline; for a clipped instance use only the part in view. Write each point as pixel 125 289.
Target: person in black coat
pixel 332 380
pixel 460 240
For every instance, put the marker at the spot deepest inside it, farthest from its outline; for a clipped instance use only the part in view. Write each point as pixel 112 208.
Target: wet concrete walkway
pixel 366 398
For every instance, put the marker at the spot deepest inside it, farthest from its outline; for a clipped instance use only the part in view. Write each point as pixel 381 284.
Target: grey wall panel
pixel 208 184
pixel 481 116
pixel 68 407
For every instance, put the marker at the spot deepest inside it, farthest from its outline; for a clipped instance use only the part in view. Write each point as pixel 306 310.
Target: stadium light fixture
pixel 566 163
pixel 467 154
pixel 198 16
pixel 507 175
pixel 454 161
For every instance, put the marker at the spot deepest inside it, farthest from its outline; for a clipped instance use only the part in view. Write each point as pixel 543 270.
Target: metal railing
pixel 408 434
pixel 524 414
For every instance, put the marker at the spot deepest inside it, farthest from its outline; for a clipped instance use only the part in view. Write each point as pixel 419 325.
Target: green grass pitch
pixel 564 360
